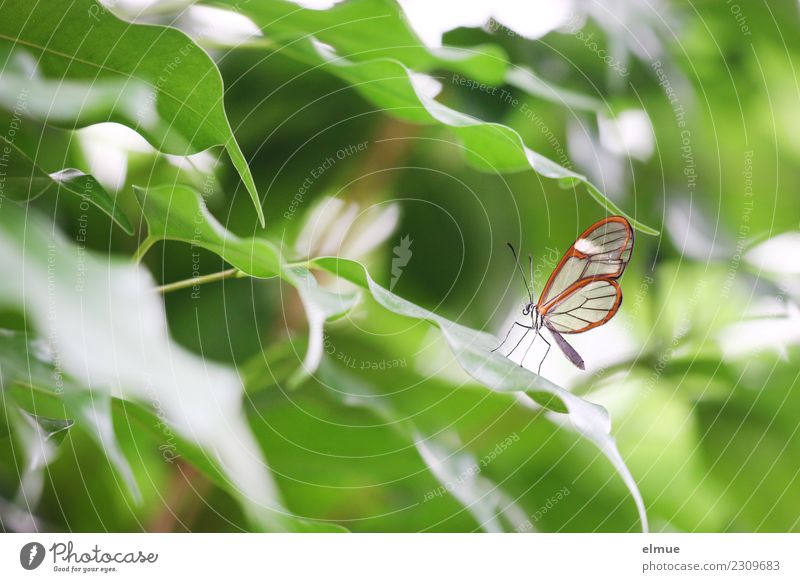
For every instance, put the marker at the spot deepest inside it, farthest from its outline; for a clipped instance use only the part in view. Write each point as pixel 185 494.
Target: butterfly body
pixel 582 292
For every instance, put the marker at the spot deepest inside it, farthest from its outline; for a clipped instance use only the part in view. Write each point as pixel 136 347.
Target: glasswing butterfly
pixel 582 292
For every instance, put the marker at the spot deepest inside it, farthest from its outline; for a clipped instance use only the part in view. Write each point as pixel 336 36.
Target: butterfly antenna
pixel 530 264
pixel 521 272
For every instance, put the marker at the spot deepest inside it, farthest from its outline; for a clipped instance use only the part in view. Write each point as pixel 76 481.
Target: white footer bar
pixel 389 557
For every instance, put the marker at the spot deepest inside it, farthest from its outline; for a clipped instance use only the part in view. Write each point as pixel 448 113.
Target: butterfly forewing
pixel 587 304
pixel 602 251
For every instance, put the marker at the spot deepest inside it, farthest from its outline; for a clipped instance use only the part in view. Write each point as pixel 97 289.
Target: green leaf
pixel 24 362
pixel 320 305
pixel 53 429
pixel 39 439
pixel 367 30
pixel 112 336
pixel 491 147
pixel 97 413
pixel 456 469
pixel 88 66
pixel 143 419
pixel 39 448
pixel 525 79
pixel 688 500
pixel 93 410
pixel 361 43
pixel 37 434
pixel 179 213
pixel 32 364
pixel 473 350
pixel 25 181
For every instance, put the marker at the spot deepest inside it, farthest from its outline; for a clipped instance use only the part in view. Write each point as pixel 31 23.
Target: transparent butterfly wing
pixel 602 251
pixel 587 304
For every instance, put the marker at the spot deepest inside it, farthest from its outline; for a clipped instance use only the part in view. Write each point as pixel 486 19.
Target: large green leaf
pixel 34 435
pixel 393 83
pixel 89 66
pixel 179 213
pixel 111 337
pixel 456 469
pixel 37 441
pixel 660 437
pixel 473 351
pixel 26 367
pixel 367 30
pixel 490 147
pixel 32 364
pixel 366 428
pixel 25 181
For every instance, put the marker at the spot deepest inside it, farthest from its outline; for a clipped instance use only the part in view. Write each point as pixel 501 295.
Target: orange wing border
pixel 572 252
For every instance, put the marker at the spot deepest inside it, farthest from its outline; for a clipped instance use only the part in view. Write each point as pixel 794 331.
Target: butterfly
pixel 582 292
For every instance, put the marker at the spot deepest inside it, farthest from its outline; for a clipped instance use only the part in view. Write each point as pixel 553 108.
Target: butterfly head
pixel 532 310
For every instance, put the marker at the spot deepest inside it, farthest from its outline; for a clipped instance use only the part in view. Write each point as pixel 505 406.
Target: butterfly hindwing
pixel 586 304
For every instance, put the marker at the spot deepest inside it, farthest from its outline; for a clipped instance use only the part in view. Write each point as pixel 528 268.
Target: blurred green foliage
pixel 391 430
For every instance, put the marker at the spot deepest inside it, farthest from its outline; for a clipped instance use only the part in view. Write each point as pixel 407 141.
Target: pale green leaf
pixel 25 181
pixel 456 469
pixel 111 337
pixel 179 213
pixel 27 364
pixel 89 66
pixel 32 364
pixel 525 79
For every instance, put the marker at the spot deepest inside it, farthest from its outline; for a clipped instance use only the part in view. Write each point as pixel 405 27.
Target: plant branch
pixel 183 284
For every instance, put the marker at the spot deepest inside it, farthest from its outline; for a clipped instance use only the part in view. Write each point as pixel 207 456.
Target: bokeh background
pixel 682 114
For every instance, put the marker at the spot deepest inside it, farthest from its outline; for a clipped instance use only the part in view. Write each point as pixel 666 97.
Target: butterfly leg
pixel 524 335
pixel 545 354
pixel 525 355
pixel 505 339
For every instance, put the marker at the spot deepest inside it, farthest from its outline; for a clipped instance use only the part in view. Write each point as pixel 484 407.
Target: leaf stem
pixel 142 250
pixel 227 274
